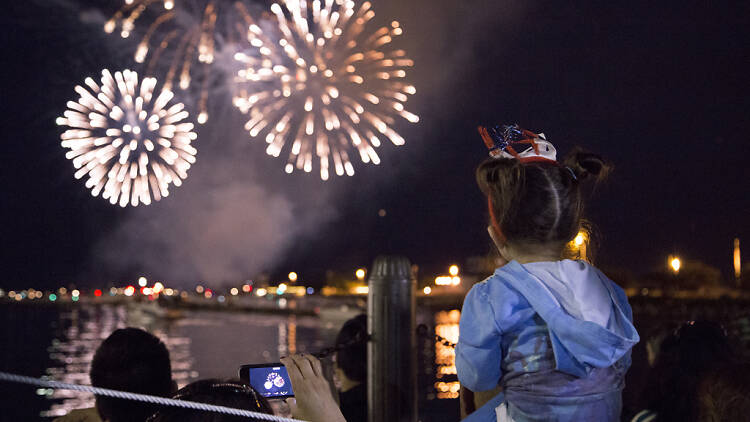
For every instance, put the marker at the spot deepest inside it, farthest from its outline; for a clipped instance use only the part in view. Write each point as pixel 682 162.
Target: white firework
pixel 318 81
pixel 131 148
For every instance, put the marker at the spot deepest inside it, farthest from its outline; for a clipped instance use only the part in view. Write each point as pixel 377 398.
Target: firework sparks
pixel 320 82
pixel 196 42
pixel 131 148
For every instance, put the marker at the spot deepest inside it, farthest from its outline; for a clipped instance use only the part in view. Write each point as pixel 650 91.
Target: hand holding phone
pixel 314 401
pixel 271 380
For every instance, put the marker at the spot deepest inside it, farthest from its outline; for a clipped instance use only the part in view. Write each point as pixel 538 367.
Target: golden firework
pixel 186 43
pixel 318 81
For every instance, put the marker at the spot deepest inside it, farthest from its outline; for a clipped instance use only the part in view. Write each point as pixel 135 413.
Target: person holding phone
pixel 312 400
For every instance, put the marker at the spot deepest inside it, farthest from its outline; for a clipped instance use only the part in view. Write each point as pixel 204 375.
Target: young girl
pixel 554 334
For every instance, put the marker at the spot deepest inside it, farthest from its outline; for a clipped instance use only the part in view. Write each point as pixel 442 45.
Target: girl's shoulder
pixel 496 286
pixel 497 292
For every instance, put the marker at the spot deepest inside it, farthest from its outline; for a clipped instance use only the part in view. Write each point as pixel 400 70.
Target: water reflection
pixel 202 344
pixel 446 326
pixel 288 336
pixel 80 332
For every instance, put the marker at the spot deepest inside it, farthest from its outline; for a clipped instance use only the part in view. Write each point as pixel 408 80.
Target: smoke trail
pixel 231 219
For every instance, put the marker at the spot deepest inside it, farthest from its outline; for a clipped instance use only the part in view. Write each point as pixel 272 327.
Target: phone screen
pixel 270 380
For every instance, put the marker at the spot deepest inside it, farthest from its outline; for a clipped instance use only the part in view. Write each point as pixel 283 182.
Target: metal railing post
pixel 391 357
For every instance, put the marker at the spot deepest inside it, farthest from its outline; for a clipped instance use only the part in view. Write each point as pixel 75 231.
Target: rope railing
pixel 444 341
pixel 424 331
pixel 57 385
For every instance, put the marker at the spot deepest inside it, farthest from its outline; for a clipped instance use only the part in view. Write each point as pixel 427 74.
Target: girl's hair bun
pixel 587 165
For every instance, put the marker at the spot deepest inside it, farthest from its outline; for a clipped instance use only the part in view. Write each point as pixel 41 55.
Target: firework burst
pixel 317 80
pixel 178 44
pixel 131 148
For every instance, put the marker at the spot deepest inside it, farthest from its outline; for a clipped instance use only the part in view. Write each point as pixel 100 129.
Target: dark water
pixel 59 343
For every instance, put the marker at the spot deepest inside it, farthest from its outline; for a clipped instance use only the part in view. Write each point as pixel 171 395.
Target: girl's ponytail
pixel 501 174
pixel 586 165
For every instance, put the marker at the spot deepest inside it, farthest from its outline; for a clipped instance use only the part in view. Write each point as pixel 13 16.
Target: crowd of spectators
pixel 697 373
pixel 133 360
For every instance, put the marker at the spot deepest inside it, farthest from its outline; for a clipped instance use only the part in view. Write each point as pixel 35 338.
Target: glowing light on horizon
pixel 579 239
pixel 130 147
pixel 360 273
pixel 360 290
pixel 675 264
pixel 578 246
pixel 445 280
pixel 736 259
pixel 321 86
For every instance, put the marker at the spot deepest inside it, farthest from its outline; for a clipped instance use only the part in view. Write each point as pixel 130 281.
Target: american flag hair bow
pixel 500 140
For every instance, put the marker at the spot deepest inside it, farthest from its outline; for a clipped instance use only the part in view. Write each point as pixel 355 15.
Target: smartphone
pixel 271 380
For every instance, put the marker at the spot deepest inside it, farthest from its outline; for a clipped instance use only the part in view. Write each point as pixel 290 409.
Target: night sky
pixel 658 88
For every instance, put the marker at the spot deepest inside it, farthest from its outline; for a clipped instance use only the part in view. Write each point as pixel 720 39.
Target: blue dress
pixel 555 335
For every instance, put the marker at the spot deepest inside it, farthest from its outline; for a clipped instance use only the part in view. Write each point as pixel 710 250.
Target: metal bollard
pixel 391 352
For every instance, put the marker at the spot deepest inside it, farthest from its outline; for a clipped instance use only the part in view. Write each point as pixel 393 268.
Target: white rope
pixel 4 376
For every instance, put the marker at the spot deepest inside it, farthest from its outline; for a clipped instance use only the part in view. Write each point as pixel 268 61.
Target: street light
pixel 675 264
pixel 360 274
pixel 443 280
pixel 579 239
pixel 736 258
pixel 579 245
pixel 453 270
pixel 292 276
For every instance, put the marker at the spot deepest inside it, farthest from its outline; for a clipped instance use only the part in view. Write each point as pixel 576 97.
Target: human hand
pixel 312 394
